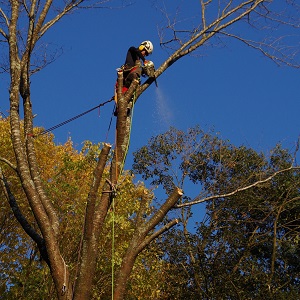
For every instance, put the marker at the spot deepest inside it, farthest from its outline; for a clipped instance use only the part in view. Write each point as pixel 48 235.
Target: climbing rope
pixel 113 248
pixel 74 118
pixel 109 125
pixel 128 143
pixel 113 205
pixel 121 170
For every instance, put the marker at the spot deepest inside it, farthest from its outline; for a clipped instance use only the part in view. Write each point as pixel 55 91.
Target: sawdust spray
pixel 163 113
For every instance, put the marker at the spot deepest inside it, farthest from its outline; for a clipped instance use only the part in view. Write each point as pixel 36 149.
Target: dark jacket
pixel 133 54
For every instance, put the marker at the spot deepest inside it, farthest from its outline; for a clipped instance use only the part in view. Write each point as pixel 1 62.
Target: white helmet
pixel 147 45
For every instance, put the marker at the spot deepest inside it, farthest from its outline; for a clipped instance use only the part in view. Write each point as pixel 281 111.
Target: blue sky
pixel 235 90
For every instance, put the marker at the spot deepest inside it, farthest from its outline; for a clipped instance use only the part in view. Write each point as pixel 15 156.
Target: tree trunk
pixel 84 283
pixel 139 241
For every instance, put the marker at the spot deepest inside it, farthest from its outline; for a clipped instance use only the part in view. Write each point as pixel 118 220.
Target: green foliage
pixel 247 246
pixel 166 158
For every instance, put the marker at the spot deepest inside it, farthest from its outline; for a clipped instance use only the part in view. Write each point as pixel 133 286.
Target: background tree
pixel 247 244
pixel 64 174
pixel 22 27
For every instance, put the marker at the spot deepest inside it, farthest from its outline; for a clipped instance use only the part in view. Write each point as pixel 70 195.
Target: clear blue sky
pixel 244 96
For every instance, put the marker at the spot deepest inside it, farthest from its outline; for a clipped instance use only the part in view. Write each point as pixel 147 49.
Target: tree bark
pixel 139 241
pixel 84 283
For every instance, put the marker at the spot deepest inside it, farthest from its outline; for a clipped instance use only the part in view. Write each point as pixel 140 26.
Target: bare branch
pixel 9 163
pixel 19 215
pixel 163 210
pixel 237 190
pixel 279 56
pixel 156 234
pixel 69 7
pixel 6 21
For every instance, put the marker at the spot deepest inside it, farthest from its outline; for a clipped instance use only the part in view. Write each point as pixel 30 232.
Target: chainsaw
pixel 149 70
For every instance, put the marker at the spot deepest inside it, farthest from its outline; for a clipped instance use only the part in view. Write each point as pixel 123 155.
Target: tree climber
pixel 132 68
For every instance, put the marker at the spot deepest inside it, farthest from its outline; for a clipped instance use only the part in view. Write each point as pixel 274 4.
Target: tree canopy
pixel 58 195
pixel 66 175
pixel 247 245
pixel 248 240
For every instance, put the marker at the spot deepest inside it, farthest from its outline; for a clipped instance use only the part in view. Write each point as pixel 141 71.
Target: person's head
pixel 146 48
